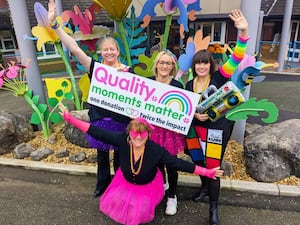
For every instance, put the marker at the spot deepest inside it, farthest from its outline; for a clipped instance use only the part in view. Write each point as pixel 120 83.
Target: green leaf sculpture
pixel 252 108
pixel 134 36
pixel 145 70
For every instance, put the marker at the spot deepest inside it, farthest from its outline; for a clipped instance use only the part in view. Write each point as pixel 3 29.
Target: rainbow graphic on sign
pixel 177 99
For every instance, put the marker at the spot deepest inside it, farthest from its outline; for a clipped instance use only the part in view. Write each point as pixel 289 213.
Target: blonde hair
pixel 109 39
pixel 138 126
pixel 159 55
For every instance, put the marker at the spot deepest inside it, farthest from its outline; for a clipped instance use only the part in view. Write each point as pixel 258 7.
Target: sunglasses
pixel 134 134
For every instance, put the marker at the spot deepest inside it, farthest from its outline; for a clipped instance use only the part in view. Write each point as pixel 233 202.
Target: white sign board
pixel 135 96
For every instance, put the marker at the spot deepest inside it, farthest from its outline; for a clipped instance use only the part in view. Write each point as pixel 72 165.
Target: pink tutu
pixel 132 204
pixel 172 141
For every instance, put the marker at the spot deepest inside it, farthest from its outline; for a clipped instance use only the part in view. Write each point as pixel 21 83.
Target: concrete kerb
pixel 184 180
pixel 290 73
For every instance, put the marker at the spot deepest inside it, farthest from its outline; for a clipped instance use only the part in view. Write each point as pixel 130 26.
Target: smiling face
pixel 164 66
pixel 202 69
pixel 110 52
pixel 138 139
pixel 203 64
pixel 139 132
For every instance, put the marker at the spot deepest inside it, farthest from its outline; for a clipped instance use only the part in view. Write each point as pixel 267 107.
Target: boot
pixel 213 213
pixel 201 195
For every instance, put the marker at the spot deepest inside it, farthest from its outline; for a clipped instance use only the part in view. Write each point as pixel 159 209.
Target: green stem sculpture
pixel 45 128
pixel 126 47
pixel 167 31
pixel 71 74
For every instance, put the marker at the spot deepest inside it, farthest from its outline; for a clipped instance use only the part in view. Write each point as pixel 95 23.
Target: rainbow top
pixel 228 68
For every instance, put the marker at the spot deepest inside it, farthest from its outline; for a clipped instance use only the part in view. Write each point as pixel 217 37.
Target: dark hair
pixel 204 56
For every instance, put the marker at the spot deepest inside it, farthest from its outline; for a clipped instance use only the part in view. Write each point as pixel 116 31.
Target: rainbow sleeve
pixel 228 68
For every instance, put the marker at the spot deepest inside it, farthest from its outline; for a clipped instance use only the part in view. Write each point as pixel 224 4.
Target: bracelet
pixel 54 25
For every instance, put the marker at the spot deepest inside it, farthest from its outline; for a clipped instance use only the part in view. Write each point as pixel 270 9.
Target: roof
pixel 270 8
pixel 277 7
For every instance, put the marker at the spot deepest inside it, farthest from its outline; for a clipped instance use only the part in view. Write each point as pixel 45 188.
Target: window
pixel 216 30
pixel 7 43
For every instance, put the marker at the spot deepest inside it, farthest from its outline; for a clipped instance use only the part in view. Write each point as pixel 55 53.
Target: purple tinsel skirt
pixel 172 141
pixel 132 204
pixel 107 124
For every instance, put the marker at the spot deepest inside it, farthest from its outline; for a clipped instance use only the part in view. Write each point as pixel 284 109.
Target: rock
pixel 79 157
pixel 22 151
pixel 40 154
pixel 52 139
pixel 14 130
pixel 250 128
pixel 92 159
pixel 272 152
pixel 62 153
pixel 74 135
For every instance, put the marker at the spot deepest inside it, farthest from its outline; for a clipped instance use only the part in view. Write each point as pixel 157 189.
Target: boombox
pixel 216 102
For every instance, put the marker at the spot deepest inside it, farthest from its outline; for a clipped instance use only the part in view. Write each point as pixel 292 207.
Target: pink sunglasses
pixel 134 134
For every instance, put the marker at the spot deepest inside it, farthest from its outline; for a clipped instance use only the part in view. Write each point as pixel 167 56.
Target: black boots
pixel 201 195
pixel 213 213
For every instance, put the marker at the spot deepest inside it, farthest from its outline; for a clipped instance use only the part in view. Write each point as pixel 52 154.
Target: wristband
pixel 54 25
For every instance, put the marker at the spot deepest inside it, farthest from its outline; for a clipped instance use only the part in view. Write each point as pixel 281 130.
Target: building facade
pixel 213 20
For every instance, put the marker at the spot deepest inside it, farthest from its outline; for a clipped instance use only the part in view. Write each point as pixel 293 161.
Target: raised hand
pixel 63 109
pixel 238 19
pixel 51 11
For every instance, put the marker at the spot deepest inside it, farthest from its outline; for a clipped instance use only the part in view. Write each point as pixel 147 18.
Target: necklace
pixel 168 81
pixel 207 80
pixel 115 65
pixel 132 159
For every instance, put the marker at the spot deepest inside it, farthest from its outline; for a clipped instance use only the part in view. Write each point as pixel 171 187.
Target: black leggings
pixel 103 168
pixel 172 179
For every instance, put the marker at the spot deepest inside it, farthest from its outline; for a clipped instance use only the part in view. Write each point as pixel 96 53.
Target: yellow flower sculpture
pixel 117 9
pixel 46 34
pixel 43 31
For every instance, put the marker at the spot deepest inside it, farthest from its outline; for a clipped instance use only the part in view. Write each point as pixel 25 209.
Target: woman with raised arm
pixel 110 52
pixel 137 187
pixel 207 140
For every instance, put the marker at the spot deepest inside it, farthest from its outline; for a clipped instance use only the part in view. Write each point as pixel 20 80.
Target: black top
pixel 218 80
pixel 96 113
pixel 173 82
pixel 154 155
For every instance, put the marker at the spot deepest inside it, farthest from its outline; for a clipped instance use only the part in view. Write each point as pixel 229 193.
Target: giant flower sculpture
pixel 12 79
pixel 171 6
pixel 45 34
pixel 117 10
pixel 88 34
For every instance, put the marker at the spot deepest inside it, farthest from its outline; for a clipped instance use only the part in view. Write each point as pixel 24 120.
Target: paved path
pixel 39 197
pixel 45 198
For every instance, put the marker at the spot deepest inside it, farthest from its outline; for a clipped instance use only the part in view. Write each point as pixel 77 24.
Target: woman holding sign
pixel 137 188
pixel 164 70
pixel 99 117
pixel 207 140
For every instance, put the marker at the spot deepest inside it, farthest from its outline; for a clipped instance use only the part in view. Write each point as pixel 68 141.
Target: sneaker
pixel 166 186
pixel 171 209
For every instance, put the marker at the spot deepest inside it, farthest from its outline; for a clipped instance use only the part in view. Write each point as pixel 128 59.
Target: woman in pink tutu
pixel 137 188
pixel 164 70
